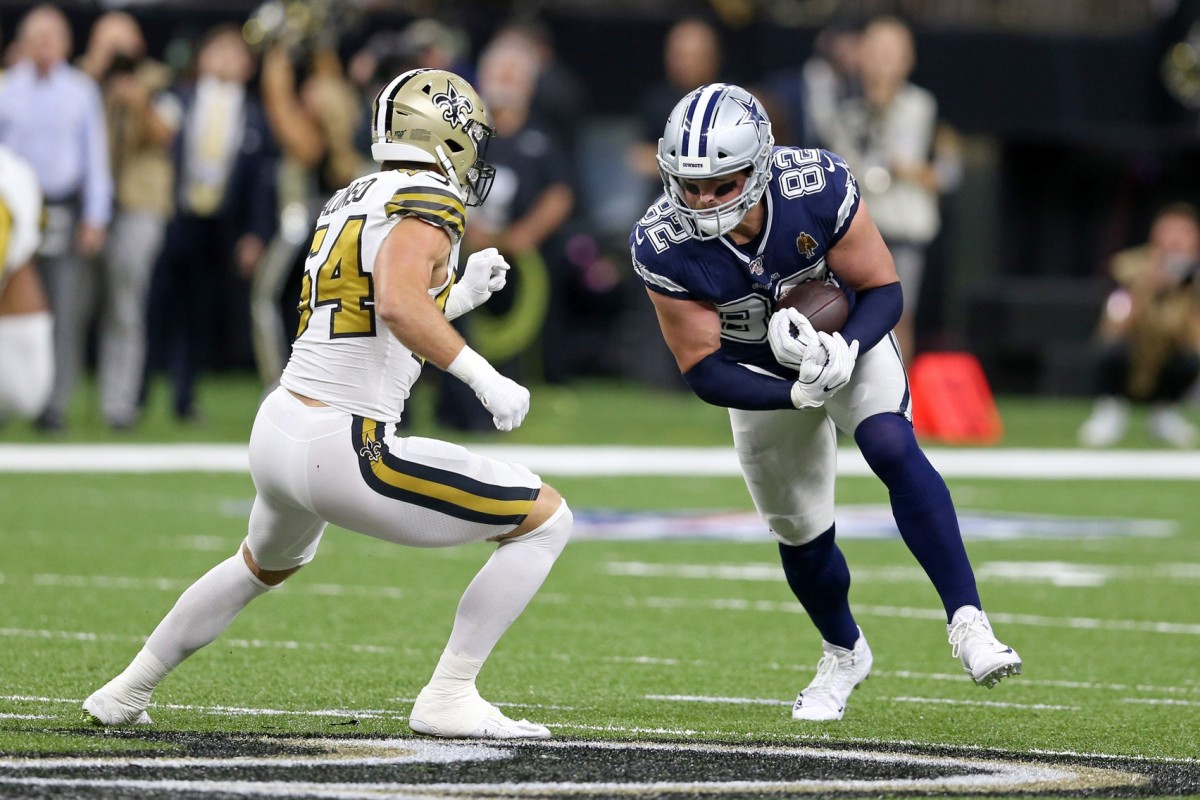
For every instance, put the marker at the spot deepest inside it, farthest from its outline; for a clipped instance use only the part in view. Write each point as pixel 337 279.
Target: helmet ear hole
pixel 454 146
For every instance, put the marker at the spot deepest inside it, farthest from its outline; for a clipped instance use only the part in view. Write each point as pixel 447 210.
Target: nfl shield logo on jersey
pixel 756 266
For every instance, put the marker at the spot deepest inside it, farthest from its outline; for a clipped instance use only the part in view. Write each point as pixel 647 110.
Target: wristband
pixel 457 303
pixel 472 369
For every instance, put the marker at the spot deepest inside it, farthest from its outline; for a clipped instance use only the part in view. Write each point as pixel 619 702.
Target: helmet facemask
pixel 715 131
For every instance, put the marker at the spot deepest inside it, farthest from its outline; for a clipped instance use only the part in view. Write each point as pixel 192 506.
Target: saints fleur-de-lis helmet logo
pixel 456 108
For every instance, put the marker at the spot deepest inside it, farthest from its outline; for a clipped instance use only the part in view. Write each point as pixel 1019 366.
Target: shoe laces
pixel 966 629
pixel 822 682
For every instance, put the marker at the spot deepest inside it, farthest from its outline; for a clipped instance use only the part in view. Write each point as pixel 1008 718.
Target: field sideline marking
pixel 574 460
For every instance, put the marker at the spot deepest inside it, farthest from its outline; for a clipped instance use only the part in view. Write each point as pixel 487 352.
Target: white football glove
pixel 485 272
pixel 800 350
pixel 833 374
pixel 505 398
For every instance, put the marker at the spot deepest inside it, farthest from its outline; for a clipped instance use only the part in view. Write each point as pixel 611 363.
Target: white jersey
pixel 343 355
pixel 20 213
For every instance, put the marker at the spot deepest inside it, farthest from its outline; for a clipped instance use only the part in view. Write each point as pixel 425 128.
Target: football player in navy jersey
pixel 742 221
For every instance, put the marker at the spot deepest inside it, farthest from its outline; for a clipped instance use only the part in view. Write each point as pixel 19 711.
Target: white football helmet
pixel 716 130
pixel 432 116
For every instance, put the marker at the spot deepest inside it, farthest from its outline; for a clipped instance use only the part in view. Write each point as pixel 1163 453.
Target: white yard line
pixel 1058 573
pixel 1035 620
pixel 251 644
pixel 722 604
pixel 1158 701
pixel 953 677
pixel 762 701
pixel 986 703
pixel 572 460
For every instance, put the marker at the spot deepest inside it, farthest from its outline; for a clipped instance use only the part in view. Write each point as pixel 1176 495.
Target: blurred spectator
pixel 691 58
pixel 887 136
pixel 313 112
pixel 560 97
pixel 530 201
pixel 423 43
pixel 142 120
pixel 1149 333
pixel 26 326
pixel 51 114
pixel 224 214
pixel 802 101
pixel 831 77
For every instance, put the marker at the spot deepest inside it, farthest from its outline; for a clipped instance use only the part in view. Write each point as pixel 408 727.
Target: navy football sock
pixel 820 579
pixel 921 505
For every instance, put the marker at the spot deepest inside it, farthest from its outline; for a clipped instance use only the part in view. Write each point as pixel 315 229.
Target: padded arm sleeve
pixel 876 312
pixel 720 380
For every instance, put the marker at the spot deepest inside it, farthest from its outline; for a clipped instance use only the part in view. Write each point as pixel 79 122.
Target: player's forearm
pixel 721 381
pixel 420 326
pixel 876 311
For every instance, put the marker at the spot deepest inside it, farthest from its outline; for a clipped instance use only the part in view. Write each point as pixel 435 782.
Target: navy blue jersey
pixel 809 201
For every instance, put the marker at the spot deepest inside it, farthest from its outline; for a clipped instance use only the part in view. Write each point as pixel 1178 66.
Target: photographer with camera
pixel 1149 333
pixel 141 119
pixel 313 113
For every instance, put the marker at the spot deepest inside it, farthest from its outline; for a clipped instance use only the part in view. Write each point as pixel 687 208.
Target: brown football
pixel 823 303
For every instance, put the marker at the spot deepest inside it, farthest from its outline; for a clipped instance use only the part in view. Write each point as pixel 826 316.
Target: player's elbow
pixel 396 307
pixel 390 313
pixel 700 379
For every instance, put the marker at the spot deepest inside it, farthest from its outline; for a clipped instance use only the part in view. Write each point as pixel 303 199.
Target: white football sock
pixel 205 610
pixel 502 589
pixel 140 678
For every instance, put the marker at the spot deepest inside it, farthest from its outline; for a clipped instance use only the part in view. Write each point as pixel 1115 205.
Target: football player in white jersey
pixel 742 221
pixel 26 324
pixel 377 294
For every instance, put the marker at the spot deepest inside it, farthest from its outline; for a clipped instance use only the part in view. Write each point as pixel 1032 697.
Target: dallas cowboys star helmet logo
pixel 749 111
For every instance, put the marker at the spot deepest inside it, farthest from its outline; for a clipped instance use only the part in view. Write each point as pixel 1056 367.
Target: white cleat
pixel 983 657
pixel 1168 426
pixel 468 717
pixel 108 706
pixel 838 672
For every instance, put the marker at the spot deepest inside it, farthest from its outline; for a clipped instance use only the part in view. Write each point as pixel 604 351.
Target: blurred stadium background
pixel 1078 119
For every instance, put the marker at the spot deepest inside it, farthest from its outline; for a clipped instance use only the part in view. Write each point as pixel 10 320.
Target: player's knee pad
pixel 26 363
pixel 796 531
pixel 551 535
